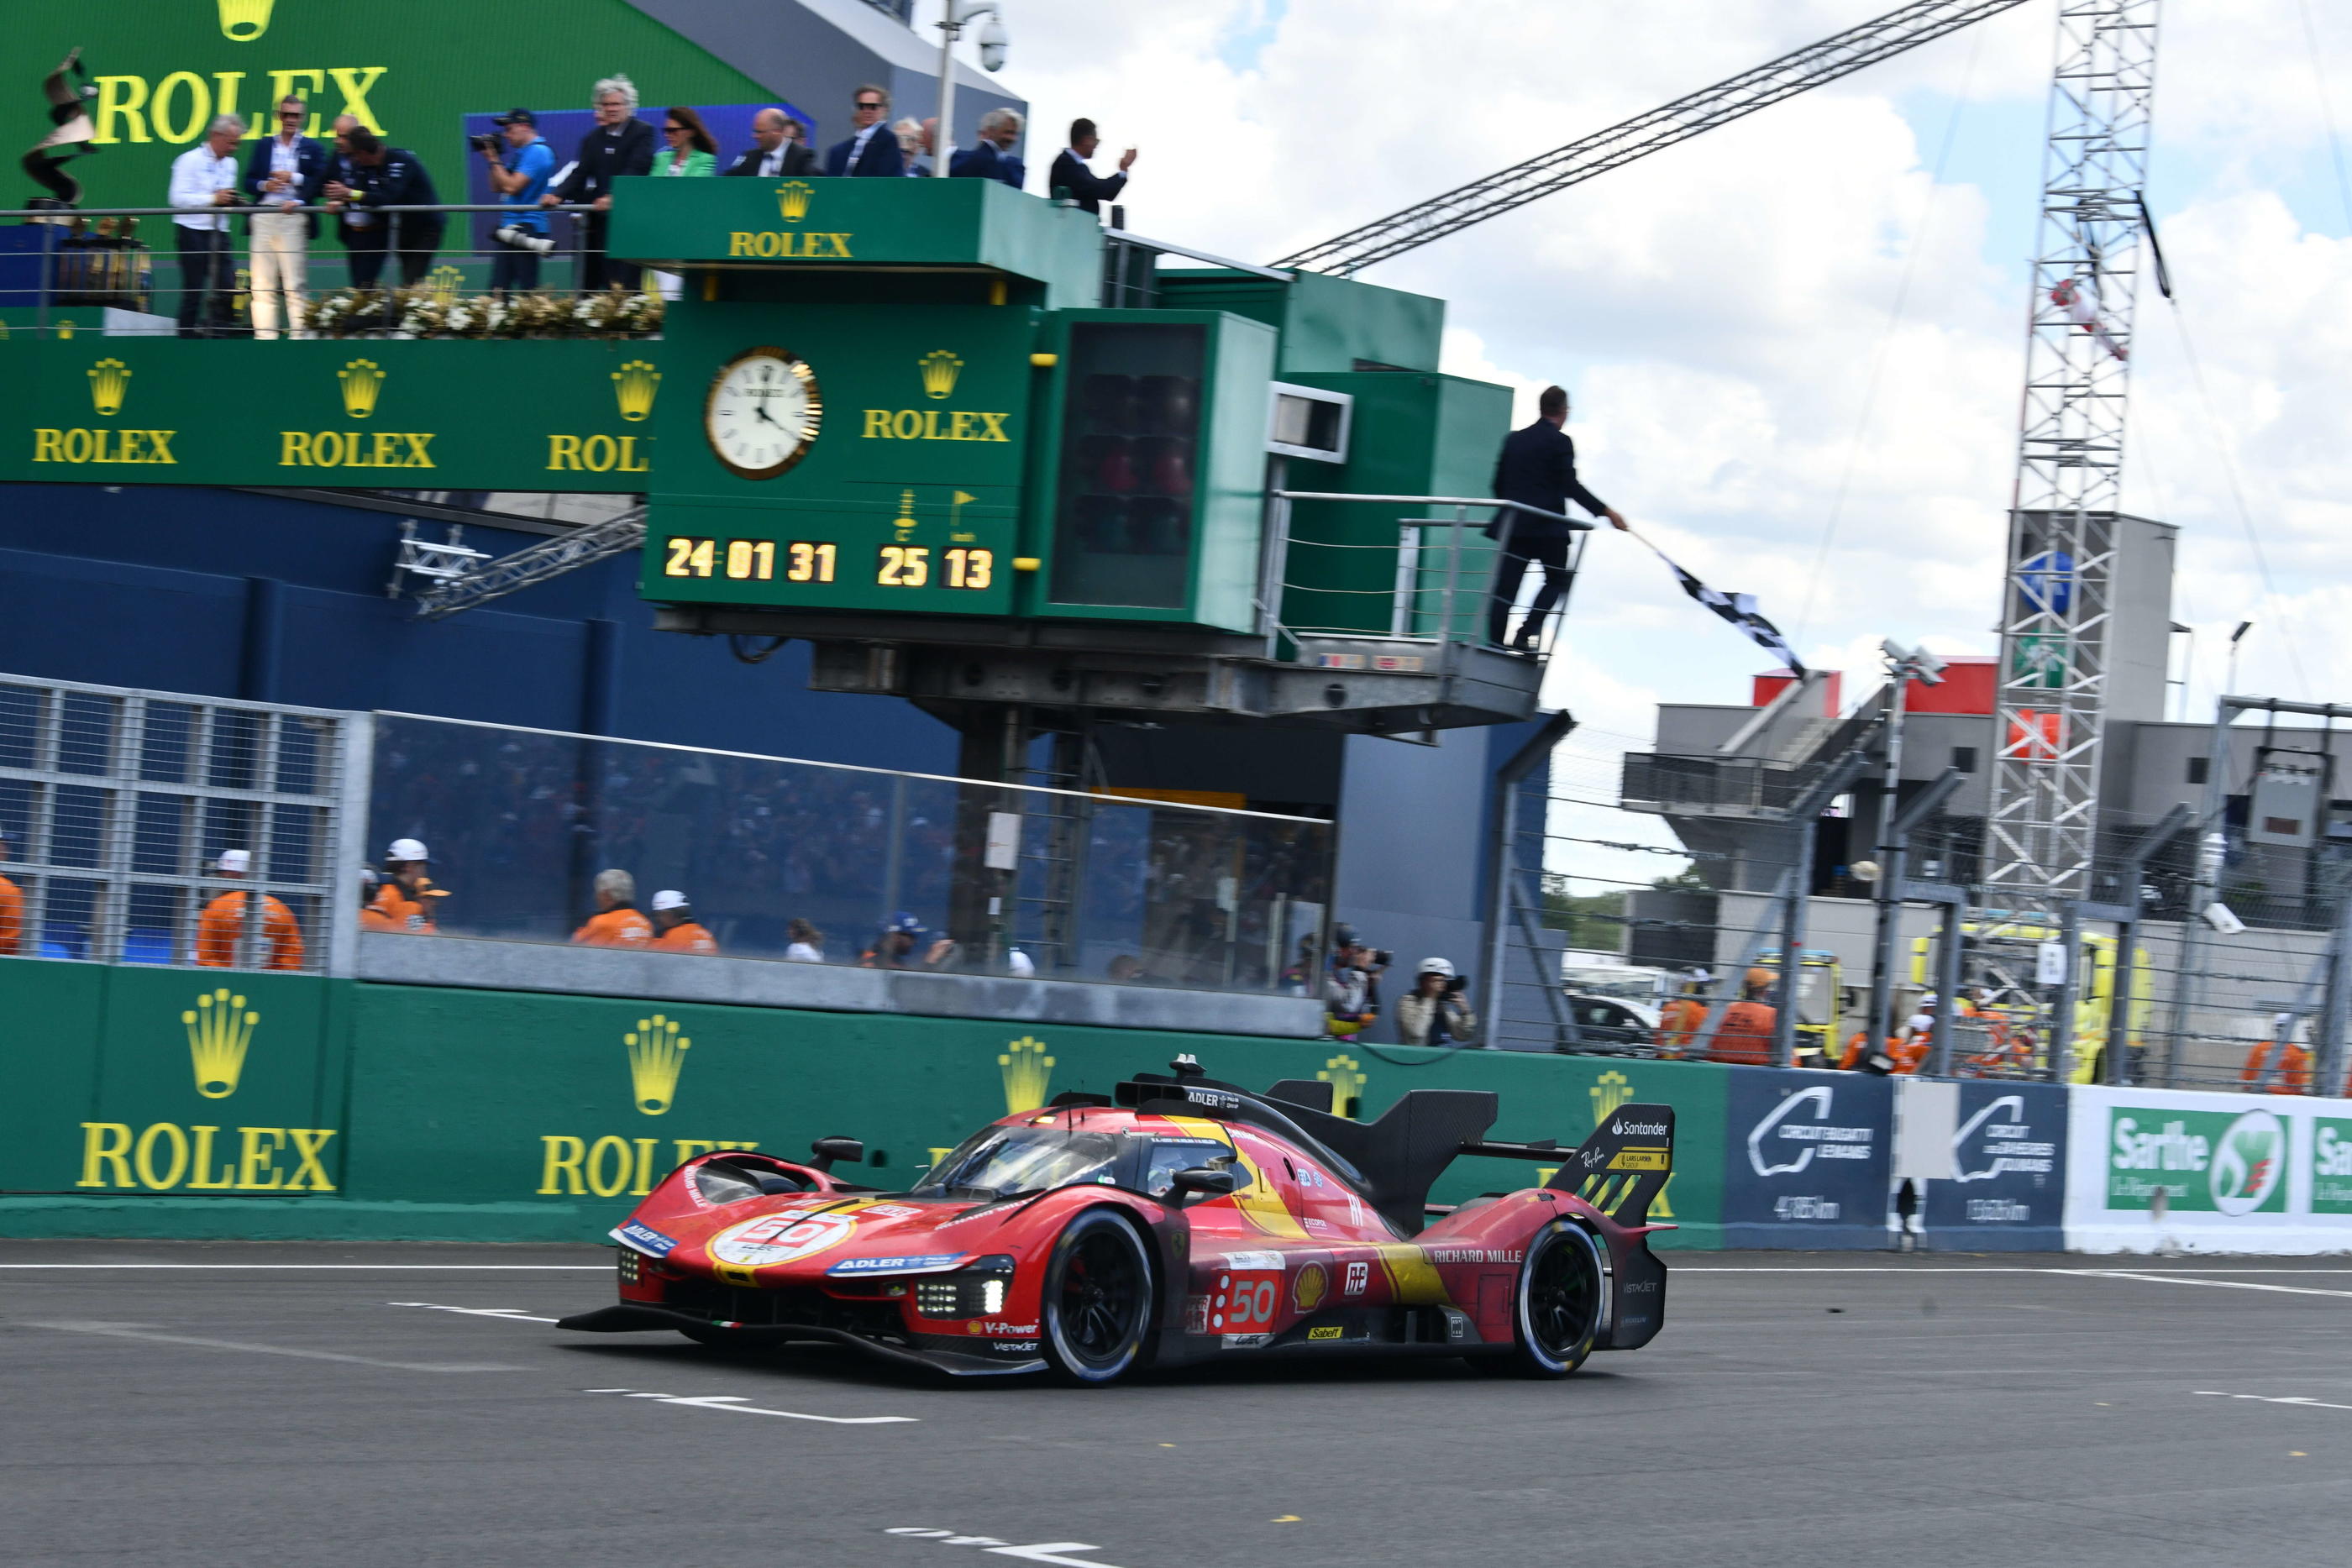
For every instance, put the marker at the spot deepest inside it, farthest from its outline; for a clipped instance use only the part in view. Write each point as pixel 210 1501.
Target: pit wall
pixel 170 1103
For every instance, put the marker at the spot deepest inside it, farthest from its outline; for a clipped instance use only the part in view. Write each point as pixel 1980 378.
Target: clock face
pixel 762 413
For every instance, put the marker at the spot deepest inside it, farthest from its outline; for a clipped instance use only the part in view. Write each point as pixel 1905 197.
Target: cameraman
pixel 520 163
pixel 1351 992
pixel 1435 1012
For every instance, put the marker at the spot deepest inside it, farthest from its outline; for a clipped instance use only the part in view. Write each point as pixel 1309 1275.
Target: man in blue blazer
pixel 1537 468
pixel 993 158
pixel 284 172
pixel 873 152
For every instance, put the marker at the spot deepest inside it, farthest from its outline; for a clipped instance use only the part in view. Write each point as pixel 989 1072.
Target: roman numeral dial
pixel 762 413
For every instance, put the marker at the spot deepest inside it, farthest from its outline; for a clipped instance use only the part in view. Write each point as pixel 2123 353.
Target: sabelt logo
pixel 1813 1137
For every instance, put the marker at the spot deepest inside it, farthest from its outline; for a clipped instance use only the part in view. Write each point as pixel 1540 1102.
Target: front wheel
pixel 1098 1298
pixel 1557 1313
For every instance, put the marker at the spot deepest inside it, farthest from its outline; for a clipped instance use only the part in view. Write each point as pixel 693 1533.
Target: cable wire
pixel 2327 108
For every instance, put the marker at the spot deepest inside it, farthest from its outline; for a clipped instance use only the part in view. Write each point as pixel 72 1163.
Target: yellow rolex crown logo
pixel 793 199
pixel 242 21
pixel 656 1055
pixel 939 369
pixel 1027 1072
pixel 1346 1084
pixel 109 380
pixel 444 282
pixel 634 385
pixel 362 380
pixel 1608 1092
pixel 219 1029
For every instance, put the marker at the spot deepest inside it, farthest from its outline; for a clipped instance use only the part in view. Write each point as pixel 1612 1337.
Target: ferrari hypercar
pixel 1177 1220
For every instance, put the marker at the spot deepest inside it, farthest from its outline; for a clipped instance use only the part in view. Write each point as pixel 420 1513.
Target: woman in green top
pixel 691 149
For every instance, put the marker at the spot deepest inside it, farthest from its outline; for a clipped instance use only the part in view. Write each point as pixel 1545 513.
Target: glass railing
pixel 787 860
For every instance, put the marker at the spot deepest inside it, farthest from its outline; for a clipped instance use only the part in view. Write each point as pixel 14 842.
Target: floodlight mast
pixel 2041 833
pixel 1840 54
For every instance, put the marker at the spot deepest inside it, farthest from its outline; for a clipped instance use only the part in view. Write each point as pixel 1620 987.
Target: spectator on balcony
pixel 1745 1033
pixel 1434 1011
pixel 805 942
pixel 991 158
pixel 1070 175
pixel 675 927
pixel 285 171
pixel 204 180
pixel 777 151
pixel 915 144
pixel 520 164
pixel 12 908
pixel 373 176
pixel 1537 468
pixel 902 946
pixel 873 152
pixel 222 922
pixel 689 149
pixel 617 922
pixel 620 144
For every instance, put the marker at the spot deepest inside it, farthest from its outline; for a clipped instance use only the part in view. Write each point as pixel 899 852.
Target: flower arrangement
pixel 425 312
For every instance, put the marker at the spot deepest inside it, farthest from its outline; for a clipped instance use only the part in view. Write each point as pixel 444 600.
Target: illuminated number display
pixel 748 560
pixel 904 566
pixel 971 568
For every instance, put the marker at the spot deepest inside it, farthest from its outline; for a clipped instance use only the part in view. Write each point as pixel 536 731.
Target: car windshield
pixel 1003 1162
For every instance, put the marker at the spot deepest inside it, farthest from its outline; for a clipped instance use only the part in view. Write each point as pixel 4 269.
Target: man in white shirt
pixel 204 180
pixel 286 173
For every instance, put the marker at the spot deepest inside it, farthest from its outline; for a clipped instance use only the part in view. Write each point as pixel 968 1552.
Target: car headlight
pixel 978 1291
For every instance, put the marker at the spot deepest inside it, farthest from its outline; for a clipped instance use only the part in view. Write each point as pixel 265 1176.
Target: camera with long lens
pixel 521 238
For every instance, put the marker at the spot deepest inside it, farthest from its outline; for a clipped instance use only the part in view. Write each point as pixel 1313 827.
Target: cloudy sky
pixel 1796 348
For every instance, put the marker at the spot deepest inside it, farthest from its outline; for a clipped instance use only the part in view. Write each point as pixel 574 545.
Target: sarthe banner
pixel 2151 1170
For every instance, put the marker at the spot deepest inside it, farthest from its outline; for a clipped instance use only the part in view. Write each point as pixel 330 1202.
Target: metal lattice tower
pixel 2051 718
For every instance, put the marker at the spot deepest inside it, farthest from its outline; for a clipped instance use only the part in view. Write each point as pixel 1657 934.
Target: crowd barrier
pixel 170 1103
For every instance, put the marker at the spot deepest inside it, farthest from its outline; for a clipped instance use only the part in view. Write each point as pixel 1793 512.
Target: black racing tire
pixel 1556 1311
pixel 1097 1313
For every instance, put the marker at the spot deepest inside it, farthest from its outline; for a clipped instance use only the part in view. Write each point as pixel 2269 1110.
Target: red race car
pixel 1179 1220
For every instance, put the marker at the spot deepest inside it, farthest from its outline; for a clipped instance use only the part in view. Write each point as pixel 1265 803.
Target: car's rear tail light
pixel 978 1291
pixel 630 1268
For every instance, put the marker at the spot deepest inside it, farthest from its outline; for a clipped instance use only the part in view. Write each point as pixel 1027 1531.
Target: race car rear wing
pixel 1619 1169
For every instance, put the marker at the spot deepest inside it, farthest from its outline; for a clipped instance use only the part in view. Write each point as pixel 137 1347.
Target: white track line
pixel 512 1314
pixel 2191 1279
pixel 2266 1399
pixel 733 1403
pixel 427 1267
pixel 139 1332
pixel 1679 1270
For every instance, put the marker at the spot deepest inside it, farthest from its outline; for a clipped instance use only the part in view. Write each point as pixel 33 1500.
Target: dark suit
pixel 881 160
pixel 1089 189
pixel 396 180
pixel 605 156
pixel 1537 468
pixel 311 160
pixel 985 162
pixel 797 159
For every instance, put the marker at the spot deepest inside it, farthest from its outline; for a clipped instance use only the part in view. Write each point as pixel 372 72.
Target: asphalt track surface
pixel 264 1404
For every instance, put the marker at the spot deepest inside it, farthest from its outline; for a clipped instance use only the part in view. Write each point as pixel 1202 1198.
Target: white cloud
pixel 1717 309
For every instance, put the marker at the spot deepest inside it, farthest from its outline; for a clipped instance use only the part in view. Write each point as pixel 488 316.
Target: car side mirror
pixel 1202 1181
pixel 828 1150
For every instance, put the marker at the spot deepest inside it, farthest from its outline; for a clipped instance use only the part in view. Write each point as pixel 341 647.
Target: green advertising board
pixel 148 1103
pixel 359 413
pixel 2227 1162
pixel 163 68
pixel 2331 1166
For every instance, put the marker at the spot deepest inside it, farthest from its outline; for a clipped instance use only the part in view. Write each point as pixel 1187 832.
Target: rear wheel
pixel 1556 1314
pixel 1098 1298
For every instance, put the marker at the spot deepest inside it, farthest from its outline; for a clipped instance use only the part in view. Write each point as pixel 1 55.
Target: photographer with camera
pixel 520 163
pixel 1435 1012
pixel 1351 992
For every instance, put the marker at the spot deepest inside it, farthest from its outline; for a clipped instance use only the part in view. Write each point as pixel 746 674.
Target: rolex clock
pixel 762 413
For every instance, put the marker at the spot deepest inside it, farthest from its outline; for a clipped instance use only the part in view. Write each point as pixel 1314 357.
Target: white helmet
pixel 236 861
pixel 669 898
pixel 407 850
pixel 1435 967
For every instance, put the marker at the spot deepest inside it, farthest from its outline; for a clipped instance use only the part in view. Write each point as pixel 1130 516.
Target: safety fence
pixel 157 1102
pixel 448 270
pixel 137 823
pixel 1646 896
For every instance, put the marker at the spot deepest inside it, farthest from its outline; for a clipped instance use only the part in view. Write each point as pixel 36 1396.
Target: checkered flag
pixel 1740 609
